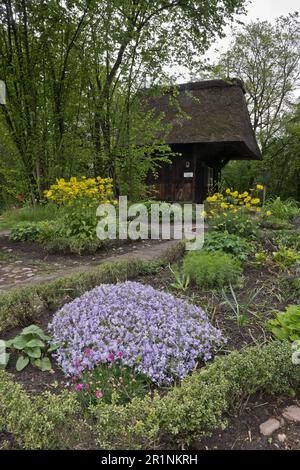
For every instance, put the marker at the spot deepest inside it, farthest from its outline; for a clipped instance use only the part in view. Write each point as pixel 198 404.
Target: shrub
pixel 157 335
pixel 25 231
pixel 289 239
pixel 34 231
pixel 212 269
pixel 42 422
pixel 283 210
pixel 239 223
pixel 73 245
pixel 228 243
pixel 286 258
pixel 196 408
pixel 286 325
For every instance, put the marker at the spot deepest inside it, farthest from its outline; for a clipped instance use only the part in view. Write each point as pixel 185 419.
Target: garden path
pixel 23 264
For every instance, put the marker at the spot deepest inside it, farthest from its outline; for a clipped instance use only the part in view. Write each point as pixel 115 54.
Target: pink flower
pixel 79 387
pixel 87 386
pixel 98 394
pixel 120 354
pixel 88 352
pixel 111 357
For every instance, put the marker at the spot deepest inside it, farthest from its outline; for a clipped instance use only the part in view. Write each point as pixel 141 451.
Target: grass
pixel 10 218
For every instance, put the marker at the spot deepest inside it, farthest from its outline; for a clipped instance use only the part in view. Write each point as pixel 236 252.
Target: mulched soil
pixel 243 430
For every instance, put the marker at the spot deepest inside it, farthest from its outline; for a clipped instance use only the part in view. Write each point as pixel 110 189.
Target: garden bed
pixel 230 290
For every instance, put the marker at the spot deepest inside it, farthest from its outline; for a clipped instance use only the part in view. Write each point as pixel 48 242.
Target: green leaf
pixel 35 343
pixel 4 360
pixel 46 364
pixel 52 348
pixel 22 362
pixel 33 352
pixel 19 342
pixel 35 330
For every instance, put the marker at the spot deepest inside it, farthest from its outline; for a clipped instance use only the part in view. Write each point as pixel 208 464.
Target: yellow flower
pixel 224 205
pixel 259 186
pixel 255 201
pixel 258 209
pixel 228 191
pixel 269 213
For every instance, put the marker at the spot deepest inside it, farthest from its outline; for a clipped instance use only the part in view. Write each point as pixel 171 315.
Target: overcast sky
pixel 257 9
pixel 263 10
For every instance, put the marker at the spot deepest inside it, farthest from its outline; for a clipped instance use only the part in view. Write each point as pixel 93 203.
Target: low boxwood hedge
pixel 44 421
pixel 199 406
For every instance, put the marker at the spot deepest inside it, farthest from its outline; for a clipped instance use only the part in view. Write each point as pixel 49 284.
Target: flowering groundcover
pixel 151 331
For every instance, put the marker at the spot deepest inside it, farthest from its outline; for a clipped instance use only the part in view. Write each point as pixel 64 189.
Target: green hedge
pixel 44 421
pixel 199 406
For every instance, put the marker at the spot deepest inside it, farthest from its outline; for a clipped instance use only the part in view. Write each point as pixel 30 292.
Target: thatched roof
pixel 213 111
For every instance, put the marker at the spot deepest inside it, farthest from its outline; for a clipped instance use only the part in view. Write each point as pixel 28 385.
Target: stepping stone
pixel 268 427
pixel 292 413
pixel 281 437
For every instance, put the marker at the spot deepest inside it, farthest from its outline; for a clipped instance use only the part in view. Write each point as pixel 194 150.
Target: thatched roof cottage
pixel 212 127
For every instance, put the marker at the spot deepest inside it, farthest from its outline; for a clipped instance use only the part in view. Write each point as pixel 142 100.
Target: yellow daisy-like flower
pixel 269 213
pixel 255 201
pixel 259 186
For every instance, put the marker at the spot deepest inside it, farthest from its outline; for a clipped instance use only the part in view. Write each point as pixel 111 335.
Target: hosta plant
pixel 33 347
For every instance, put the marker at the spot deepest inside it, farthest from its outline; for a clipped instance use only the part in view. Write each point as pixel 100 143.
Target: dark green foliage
pixel 212 270
pixel 25 231
pixel 236 246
